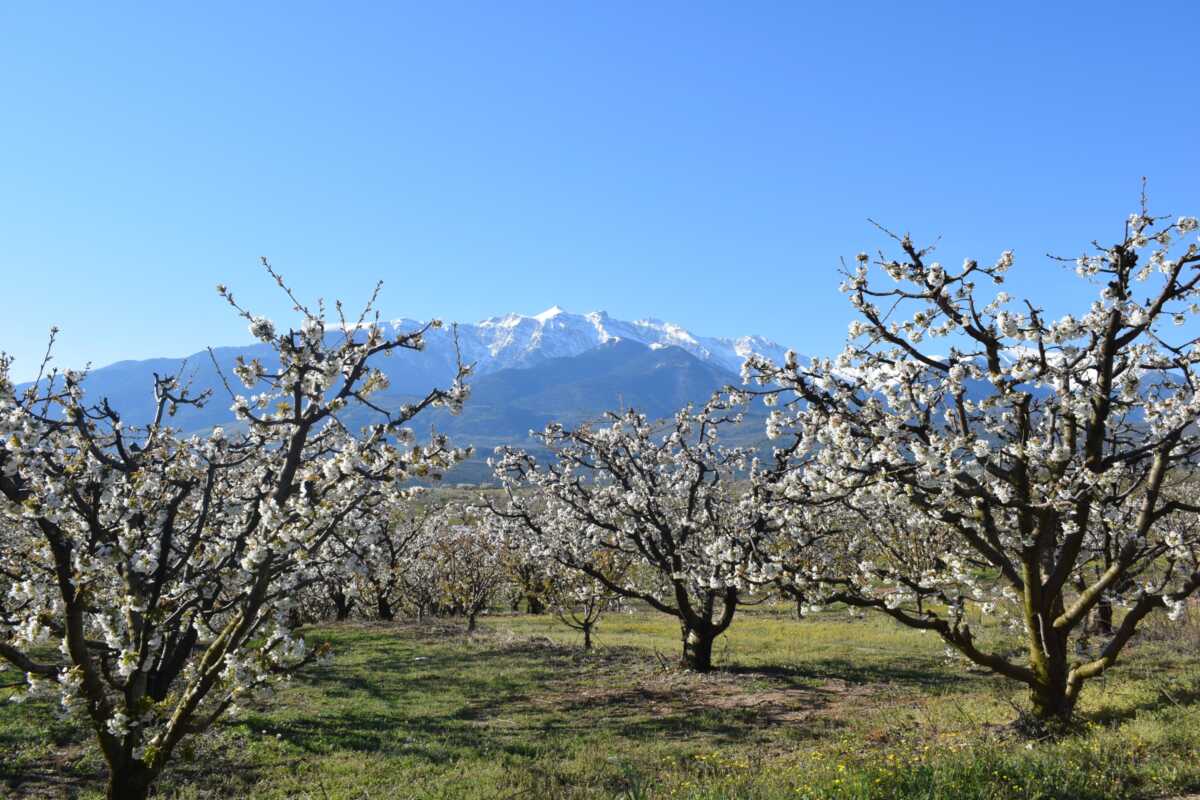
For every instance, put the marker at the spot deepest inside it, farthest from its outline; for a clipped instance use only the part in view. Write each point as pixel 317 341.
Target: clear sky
pixel 705 163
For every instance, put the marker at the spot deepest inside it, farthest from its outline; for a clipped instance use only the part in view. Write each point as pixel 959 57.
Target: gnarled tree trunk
pixel 698 647
pixel 130 781
pixel 342 604
pixel 385 609
pixel 534 604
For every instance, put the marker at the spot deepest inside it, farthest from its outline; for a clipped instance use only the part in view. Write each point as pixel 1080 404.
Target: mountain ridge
pixel 529 370
pixel 513 340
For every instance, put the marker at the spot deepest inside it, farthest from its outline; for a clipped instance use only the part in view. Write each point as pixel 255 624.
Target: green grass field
pixel 826 707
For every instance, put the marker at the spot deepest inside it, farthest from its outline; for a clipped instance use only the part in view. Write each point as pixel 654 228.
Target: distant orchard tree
pixel 376 546
pixel 467 551
pixel 580 601
pixel 149 577
pixel 664 499
pixel 576 598
pixel 1018 464
pixel 530 576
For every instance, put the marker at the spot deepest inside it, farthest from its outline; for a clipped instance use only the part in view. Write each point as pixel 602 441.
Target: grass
pixel 825 708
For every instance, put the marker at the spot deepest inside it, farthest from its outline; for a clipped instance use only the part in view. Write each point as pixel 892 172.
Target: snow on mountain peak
pixel 549 314
pixel 517 340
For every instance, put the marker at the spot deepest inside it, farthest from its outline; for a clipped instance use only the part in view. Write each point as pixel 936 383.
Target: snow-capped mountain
pixel 529 370
pixel 515 340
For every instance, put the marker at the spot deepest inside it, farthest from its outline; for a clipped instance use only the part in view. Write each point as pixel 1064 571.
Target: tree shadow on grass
pixel 523 697
pixel 54 779
pixel 441 739
pixel 392 675
pixel 512 731
pixel 836 669
pixel 484 666
pixel 217 772
pixel 1167 696
pixel 507 687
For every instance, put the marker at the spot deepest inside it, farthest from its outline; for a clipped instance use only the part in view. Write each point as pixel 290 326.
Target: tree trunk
pixel 470 623
pixel 697 649
pixel 534 604
pixel 385 609
pixel 129 782
pixel 1049 695
pixel 1051 702
pixel 342 604
pixel 587 636
pixel 1104 617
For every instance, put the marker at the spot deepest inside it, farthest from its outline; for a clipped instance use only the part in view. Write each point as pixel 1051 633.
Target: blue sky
pixel 706 163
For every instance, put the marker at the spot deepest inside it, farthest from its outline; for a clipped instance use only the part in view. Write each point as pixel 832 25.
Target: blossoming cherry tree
pixel 1051 462
pixel 160 569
